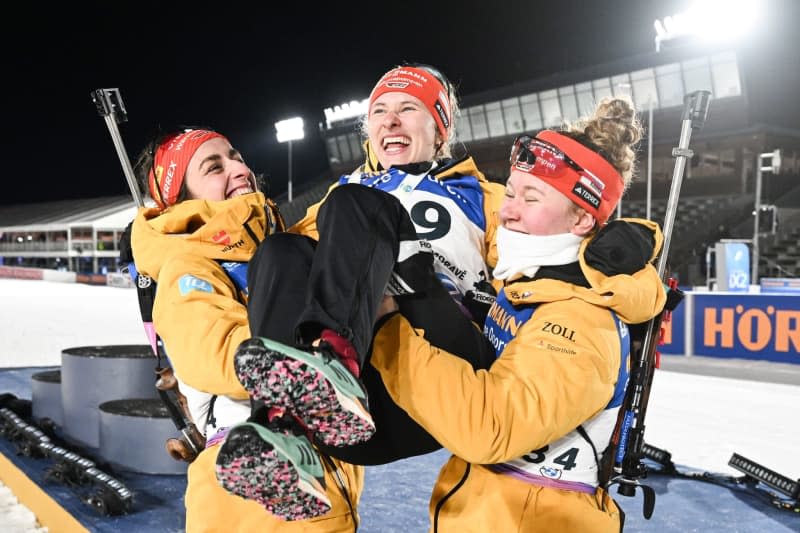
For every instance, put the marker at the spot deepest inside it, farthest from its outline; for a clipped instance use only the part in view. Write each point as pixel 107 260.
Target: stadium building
pixel 718 192
pixel 717 197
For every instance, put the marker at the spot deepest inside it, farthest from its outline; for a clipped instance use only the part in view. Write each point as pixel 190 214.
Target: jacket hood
pixel 227 230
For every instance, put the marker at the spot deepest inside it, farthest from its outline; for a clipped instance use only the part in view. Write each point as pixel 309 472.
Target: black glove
pixel 414 274
pixel 620 247
pixel 674 298
pixel 480 300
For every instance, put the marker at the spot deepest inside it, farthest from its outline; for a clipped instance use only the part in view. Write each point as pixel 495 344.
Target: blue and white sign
pixel 733 266
pixel 737 259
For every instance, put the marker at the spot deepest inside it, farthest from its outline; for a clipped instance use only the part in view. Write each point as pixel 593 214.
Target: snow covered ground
pixel 701 420
pixel 38 319
pixel 14 517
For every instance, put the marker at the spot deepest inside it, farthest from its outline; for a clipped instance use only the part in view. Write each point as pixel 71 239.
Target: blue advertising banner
pixel 764 327
pixel 780 285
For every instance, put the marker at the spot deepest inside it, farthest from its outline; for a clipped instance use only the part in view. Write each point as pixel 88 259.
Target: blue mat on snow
pixel 395 498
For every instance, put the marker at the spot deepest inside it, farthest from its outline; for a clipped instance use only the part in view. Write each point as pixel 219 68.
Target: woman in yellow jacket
pixel 195 244
pixel 527 433
pixel 413 221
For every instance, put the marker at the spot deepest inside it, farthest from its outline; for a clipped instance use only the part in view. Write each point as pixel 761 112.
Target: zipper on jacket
pixel 252 234
pixel 342 488
pixel 441 502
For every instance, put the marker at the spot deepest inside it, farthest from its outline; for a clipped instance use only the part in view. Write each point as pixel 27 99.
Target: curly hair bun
pixel 614 131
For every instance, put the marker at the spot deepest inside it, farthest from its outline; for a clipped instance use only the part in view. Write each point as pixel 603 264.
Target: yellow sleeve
pixel 492 201
pixel 308 224
pixel 201 322
pixel 542 386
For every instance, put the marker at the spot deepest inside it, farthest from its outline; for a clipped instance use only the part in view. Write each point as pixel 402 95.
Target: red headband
pixel 596 187
pixel 422 84
pixel 173 154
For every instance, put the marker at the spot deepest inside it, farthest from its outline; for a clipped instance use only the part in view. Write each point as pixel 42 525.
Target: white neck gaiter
pixel 521 254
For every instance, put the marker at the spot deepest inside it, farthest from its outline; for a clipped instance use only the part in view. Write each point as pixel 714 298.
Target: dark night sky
pixel 239 69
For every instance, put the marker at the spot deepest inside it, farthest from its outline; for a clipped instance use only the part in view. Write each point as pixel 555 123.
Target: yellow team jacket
pixel 201 317
pixel 540 389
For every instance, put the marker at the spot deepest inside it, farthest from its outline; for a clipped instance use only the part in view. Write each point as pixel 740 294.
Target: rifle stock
pixel 111 107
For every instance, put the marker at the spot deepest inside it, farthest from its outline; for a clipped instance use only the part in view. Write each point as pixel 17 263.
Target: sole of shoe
pixel 319 390
pixel 283 473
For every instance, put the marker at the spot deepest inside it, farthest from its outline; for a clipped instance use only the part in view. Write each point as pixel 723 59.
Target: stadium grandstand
pixel 717 197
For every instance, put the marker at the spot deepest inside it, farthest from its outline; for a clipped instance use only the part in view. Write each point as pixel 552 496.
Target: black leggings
pixel 298 286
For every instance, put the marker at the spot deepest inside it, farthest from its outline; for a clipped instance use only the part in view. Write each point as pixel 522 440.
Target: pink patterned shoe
pixel 311 384
pixel 277 467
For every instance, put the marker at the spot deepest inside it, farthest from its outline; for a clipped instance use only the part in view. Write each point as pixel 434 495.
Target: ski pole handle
pixel 112 109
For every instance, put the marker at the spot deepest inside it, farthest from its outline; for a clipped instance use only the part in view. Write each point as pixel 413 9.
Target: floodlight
pixel 711 20
pixel 287 131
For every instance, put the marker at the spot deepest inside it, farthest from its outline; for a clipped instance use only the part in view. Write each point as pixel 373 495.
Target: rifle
pixel 622 460
pixel 191 442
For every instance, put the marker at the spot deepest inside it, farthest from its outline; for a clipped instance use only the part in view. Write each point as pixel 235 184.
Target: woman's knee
pixel 352 195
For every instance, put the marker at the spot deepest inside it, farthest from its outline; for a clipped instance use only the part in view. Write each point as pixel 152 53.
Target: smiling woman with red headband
pixel 526 434
pixel 412 221
pixel 195 244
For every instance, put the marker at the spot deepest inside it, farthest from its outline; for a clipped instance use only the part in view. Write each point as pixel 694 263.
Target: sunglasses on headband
pixel 530 153
pixel 547 161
